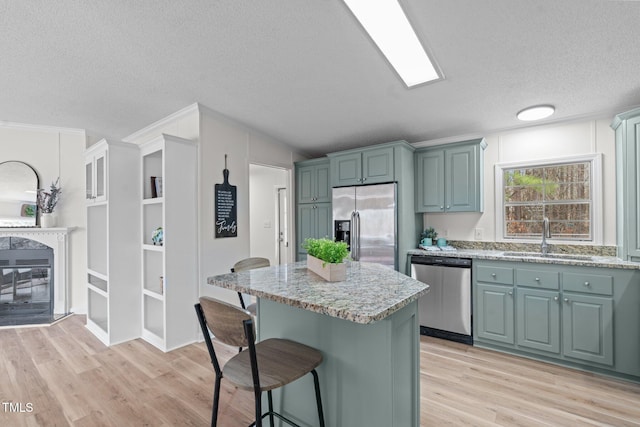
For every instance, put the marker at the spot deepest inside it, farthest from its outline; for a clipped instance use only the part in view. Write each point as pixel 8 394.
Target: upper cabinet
pixel 312 181
pixel 313 202
pixel 627 128
pixel 96 173
pixel 362 166
pixel 449 177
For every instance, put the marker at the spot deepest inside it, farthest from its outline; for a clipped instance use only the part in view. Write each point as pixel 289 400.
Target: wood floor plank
pixel 72 379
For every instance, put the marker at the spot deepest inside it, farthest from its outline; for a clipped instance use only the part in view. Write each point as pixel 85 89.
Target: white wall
pixel 539 142
pixel 217 135
pixel 263 214
pixel 243 146
pixel 53 153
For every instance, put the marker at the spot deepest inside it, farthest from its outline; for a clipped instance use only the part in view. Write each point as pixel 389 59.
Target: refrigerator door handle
pixel 352 239
pixel 357 236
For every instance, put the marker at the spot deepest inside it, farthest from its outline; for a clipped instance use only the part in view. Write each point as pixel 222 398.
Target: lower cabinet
pixel 494 319
pixel 539 320
pixel 587 323
pixel 314 221
pixel 580 316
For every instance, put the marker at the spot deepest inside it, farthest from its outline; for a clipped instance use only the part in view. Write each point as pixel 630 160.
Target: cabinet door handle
pixel 537 279
pixel 493 275
pixel 448 207
pixel 510 292
pixel 566 300
pixel 587 283
pixel 364 179
pixel 441 207
pixel 555 298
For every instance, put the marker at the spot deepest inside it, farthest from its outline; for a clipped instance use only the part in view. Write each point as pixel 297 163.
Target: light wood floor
pixel 70 378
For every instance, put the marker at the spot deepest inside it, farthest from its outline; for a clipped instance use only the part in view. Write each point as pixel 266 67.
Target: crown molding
pixel 41 128
pixel 160 123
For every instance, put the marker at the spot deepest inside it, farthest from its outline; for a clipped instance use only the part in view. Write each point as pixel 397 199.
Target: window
pixel 565 191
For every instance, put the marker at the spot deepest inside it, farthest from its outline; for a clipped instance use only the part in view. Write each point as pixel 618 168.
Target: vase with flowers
pixel 47 201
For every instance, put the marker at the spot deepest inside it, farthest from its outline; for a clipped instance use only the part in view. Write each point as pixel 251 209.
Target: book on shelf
pixel 156 186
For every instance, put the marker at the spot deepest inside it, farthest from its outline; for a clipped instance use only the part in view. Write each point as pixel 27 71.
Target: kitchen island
pixel 366 328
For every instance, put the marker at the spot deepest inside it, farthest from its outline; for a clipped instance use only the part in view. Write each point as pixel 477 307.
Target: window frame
pixel 597 214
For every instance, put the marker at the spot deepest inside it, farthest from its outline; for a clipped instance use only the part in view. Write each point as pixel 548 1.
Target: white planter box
pixel 330 272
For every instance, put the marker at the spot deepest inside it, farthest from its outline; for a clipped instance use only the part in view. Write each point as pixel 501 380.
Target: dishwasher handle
pixel 442 261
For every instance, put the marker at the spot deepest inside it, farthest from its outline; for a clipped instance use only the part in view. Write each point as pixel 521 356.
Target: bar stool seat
pixel 280 362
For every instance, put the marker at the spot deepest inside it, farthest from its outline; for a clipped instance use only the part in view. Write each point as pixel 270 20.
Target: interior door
pixel 283 234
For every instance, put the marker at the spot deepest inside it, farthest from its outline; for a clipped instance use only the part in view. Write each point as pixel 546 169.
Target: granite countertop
pixel 552 258
pixel 370 293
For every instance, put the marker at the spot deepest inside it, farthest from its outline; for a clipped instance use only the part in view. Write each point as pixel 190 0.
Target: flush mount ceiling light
pixel 537 112
pixel 388 26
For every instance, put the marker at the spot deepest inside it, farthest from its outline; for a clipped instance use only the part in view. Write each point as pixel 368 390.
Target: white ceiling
pixel 304 71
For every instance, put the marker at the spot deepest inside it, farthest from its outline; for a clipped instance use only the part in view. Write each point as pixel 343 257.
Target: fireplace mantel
pixel 58 240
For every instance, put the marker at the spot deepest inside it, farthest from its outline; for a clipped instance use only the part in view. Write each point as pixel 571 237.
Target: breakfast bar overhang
pixel 366 328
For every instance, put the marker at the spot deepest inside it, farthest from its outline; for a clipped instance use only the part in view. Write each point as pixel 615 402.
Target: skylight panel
pixel 388 26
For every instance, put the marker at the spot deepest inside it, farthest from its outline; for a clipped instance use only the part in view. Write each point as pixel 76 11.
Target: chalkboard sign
pixel 226 214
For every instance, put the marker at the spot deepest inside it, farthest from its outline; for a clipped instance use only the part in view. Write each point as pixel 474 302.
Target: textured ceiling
pixel 304 71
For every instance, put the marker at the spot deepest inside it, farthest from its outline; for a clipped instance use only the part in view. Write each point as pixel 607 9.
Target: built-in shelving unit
pixel 113 265
pixel 169 270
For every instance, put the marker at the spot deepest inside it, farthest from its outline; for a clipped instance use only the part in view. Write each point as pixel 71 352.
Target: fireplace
pixel 26 291
pixel 33 275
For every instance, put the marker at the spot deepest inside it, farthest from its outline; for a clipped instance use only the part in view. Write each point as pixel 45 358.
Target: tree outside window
pixel 560 192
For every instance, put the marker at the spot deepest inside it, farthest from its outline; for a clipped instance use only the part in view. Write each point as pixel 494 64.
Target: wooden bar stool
pixel 249 264
pixel 263 366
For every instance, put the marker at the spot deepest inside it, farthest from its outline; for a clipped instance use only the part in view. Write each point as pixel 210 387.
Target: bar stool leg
pixel 270 398
pixel 316 384
pixel 216 402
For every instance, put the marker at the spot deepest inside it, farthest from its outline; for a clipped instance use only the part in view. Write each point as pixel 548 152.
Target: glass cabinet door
pixel 101 170
pixel 89 180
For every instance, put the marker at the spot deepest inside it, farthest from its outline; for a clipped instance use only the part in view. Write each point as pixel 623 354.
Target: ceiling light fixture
pixel 388 26
pixel 537 112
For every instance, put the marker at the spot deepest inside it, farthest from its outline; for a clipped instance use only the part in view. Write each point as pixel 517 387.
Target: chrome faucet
pixel 546 234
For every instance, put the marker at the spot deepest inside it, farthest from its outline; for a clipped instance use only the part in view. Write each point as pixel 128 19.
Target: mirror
pixel 18 193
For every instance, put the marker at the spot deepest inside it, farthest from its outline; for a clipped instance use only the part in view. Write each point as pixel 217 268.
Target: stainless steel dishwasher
pixel 445 311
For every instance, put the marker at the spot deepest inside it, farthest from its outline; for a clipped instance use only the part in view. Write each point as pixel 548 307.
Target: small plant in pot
pixel 325 257
pixel 428 236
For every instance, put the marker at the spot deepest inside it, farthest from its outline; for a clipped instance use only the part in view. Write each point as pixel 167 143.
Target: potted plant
pixel 47 201
pixel 428 236
pixel 325 258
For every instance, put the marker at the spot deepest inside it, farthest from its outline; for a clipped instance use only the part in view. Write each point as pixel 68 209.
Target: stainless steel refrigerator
pixel 366 218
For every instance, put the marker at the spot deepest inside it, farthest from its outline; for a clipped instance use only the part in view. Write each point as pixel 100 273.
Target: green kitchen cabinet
pixel 312 181
pixel 580 316
pixel 362 166
pixel 538 319
pixel 449 178
pixel 313 202
pixel 314 221
pixel 588 328
pixel 494 304
pixel 627 130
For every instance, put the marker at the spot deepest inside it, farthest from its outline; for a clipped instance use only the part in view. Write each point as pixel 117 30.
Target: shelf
pixel 152 218
pixel 153 294
pixel 98 309
pixel 97 238
pixel 153 201
pixel 153 248
pixel 97 290
pixel 153 315
pixel 153 272
pixel 98 281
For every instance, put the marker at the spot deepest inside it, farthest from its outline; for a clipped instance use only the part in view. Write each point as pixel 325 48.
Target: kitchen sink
pixel 548 256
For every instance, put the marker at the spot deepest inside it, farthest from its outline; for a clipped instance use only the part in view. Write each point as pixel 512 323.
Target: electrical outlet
pixel 479 233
